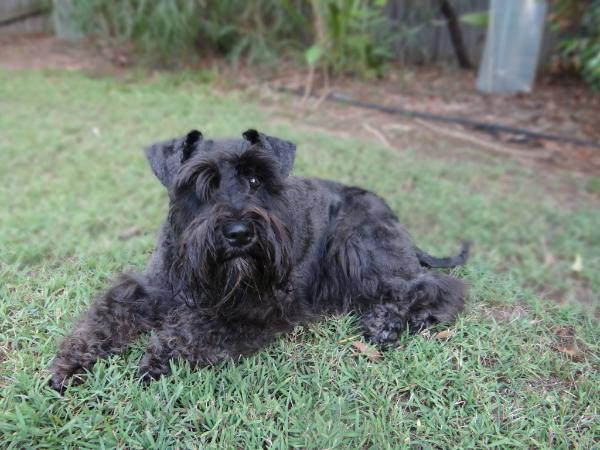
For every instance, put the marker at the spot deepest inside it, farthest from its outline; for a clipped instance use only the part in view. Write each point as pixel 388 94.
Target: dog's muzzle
pixel 238 234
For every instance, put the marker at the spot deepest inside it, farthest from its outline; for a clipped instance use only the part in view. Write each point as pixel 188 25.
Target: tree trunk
pixel 455 34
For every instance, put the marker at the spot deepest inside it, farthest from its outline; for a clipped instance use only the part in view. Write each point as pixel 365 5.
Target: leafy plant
pixel 477 19
pixel 347 36
pixel 159 30
pixel 257 30
pixel 351 36
pixel 580 21
pixel 170 31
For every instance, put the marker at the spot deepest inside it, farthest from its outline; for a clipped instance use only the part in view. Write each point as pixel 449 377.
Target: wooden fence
pixel 25 17
pixel 422 33
pixel 423 36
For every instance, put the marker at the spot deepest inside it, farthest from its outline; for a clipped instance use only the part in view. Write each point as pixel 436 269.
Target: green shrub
pixel 259 31
pixel 350 36
pixel 170 31
pixel 159 30
pixel 581 46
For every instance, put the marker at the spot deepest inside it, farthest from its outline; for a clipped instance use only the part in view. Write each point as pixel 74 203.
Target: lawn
pixel 78 204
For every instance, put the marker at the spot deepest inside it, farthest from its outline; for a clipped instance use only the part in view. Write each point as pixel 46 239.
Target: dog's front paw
pixel 152 368
pixel 420 322
pixel 384 324
pixel 62 375
pixel 58 383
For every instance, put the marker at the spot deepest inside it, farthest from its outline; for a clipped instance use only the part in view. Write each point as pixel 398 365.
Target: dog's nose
pixel 238 234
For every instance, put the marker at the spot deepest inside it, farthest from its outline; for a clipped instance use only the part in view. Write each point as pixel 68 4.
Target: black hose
pixel 484 126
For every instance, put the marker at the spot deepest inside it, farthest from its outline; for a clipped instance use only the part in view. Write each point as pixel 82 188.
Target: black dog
pixel 248 252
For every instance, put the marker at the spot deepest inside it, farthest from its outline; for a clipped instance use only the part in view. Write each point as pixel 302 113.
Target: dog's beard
pixel 211 274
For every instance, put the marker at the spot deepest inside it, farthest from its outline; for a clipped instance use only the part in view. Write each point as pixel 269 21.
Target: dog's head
pixel 228 215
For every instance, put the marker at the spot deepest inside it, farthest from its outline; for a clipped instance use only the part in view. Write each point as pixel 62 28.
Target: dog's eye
pixel 253 181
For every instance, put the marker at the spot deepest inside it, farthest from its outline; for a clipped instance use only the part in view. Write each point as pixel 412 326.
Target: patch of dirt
pixel 506 313
pixel 566 108
pixel 37 52
pixel 568 345
pixel 579 291
pixel 563 168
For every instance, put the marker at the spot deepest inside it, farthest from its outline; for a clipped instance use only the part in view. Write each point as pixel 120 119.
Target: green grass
pixel 78 203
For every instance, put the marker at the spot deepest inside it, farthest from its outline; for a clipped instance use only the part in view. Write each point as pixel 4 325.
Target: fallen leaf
pixel 370 352
pixel 570 352
pixel 446 334
pixel 577 264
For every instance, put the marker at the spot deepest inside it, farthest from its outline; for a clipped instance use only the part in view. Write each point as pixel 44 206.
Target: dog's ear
pixel 285 151
pixel 189 144
pixel 166 157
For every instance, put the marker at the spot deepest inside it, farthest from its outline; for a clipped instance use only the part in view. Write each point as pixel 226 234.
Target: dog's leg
pixel 114 320
pixel 428 299
pixel 434 298
pixel 385 322
pixel 201 340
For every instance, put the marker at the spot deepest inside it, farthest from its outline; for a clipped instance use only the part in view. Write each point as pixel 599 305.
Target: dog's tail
pixel 429 261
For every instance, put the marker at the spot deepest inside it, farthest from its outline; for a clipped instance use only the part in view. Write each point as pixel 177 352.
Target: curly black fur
pixel 306 248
